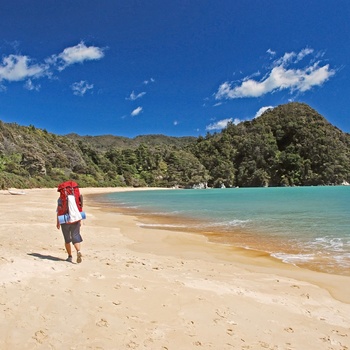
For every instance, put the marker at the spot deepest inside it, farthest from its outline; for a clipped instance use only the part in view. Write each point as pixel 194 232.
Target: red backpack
pixel 65 189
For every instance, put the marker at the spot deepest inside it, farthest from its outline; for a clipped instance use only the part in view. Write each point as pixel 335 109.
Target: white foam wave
pixel 334 244
pixel 231 223
pixel 161 225
pixel 293 258
pixel 342 260
pixel 203 225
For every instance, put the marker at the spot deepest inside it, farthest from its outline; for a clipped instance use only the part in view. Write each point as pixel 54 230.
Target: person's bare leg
pixel 77 248
pixel 69 251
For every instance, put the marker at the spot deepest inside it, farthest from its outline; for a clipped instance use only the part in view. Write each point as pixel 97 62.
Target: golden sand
pixel 140 288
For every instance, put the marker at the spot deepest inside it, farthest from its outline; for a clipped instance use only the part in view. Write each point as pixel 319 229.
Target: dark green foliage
pixel 287 146
pixel 106 142
pixel 290 145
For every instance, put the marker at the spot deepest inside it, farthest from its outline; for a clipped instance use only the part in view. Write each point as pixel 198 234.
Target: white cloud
pixel 29 85
pixel 221 124
pixel 76 54
pixel 80 88
pixel 175 122
pixel 280 77
pixel 237 121
pixel 136 111
pixel 17 68
pixel 262 110
pixel 134 97
pixel 146 82
pixel 304 53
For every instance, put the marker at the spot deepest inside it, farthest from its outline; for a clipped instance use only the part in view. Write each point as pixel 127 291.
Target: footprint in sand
pixel 40 336
pixel 229 331
pixel 97 275
pixel 102 323
pixel 132 345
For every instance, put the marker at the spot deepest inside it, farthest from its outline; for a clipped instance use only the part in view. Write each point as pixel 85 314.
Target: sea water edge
pixel 304 226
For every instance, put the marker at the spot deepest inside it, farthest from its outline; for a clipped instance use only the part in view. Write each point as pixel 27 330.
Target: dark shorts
pixel 71 232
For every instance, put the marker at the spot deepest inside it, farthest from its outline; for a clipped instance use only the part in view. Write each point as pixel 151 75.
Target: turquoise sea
pixel 305 226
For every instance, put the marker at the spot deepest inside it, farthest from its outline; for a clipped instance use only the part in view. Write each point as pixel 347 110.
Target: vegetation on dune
pixel 290 145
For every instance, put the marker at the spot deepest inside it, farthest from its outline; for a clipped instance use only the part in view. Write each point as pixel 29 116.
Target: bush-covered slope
pixel 106 142
pixel 289 145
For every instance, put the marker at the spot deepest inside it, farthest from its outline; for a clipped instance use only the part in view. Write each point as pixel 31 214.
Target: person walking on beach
pixel 70 229
pixel 71 234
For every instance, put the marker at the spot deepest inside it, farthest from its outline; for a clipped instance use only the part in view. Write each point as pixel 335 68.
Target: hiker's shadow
pixel 46 257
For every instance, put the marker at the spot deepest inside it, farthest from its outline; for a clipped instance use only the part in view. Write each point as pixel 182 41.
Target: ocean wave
pixel 342 260
pixel 229 223
pixel 161 225
pixel 220 225
pixel 201 225
pixel 327 243
pixel 294 259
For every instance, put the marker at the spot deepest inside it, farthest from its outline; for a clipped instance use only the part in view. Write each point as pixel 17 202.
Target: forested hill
pixel 106 142
pixel 290 145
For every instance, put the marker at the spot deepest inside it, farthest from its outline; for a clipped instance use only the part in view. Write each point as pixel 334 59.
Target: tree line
pixel 290 145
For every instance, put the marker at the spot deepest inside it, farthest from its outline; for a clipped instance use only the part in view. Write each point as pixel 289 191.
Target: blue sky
pixel 178 68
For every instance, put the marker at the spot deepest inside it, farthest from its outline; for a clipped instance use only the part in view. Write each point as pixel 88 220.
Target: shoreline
pixel 238 238
pixel 262 259
pixel 153 289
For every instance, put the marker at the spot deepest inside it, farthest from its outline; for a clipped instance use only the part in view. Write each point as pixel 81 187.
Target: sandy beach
pixel 140 288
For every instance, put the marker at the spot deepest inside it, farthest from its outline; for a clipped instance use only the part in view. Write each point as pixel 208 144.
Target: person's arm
pixel 57 221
